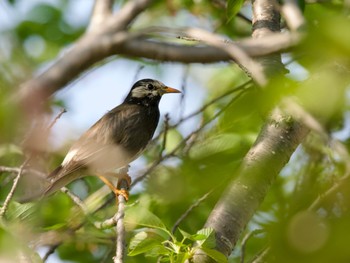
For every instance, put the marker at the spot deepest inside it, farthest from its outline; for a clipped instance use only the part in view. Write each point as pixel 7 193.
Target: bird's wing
pixel 103 141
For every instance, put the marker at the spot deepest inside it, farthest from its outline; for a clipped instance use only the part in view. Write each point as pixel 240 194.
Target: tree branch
pixel 13 188
pixel 120 228
pixel 275 144
pixel 235 52
pixel 266 20
pixel 271 151
pixel 292 14
pixel 101 12
pixel 96 46
pixel 127 14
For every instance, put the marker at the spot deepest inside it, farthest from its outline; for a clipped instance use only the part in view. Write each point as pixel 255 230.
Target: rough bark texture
pixel 266 20
pixel 275 144
pixel 271 151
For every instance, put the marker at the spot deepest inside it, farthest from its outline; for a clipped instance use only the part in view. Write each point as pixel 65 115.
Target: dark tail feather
pixel 33 186
pixel 54 173
pixel 59 178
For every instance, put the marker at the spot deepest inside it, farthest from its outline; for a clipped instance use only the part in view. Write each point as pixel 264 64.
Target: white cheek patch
pixel 141 92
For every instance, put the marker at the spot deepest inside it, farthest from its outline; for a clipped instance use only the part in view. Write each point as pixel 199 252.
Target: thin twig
pixel 261 257
pixel 21 169
pixel 137 73
pixel 245 240
pixel 165 133
pixel 172 153
pixel 50 251
pixel 318 201
pixel 189 210
pixel 16 170
pixel 53 122
pixel 76 199
pixel 127 14
pixel 120 228
pixel 183 90
pixel 241 87
pixel 192 140
pixel 106 224
pixel 211 102
pixel 237 53
pixel 13 188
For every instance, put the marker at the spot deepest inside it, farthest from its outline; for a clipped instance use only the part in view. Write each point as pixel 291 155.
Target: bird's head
pixel 148 92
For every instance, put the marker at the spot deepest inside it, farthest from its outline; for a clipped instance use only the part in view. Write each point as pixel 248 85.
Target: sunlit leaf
pixel 206 238
pixel 20 211
pixel 143 242
pixel 233 7
pixel 139 217
pixel 217 144
pixel 215 255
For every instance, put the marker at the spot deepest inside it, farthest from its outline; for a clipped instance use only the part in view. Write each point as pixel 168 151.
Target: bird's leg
pixel 124 182
pixel 120 189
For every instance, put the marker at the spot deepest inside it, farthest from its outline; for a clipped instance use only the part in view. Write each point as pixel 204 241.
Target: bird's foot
pixel 124 182
pixel 123 185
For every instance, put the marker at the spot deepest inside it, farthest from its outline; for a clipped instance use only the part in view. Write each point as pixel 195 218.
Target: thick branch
pixel 275 144
pixel 271 151
pixel 266 20
pixel 94 47
pixel 102 10
pixel 127 14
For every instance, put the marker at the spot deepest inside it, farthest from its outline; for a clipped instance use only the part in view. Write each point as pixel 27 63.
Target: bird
pixel 115 140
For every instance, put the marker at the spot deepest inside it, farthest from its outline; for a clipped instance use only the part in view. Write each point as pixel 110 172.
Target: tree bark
pixel 275 144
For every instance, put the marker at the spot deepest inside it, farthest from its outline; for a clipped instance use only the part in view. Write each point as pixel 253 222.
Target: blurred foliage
pixel 304 218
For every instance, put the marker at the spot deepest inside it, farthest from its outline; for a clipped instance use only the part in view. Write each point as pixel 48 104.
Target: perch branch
pixel 120 228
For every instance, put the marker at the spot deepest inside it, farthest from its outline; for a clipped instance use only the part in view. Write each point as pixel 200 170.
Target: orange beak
pixel 169 90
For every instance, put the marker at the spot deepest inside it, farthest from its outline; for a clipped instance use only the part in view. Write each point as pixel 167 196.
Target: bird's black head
pixel 148 92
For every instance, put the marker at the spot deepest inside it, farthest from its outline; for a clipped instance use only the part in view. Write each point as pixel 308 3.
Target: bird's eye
pixel 150 86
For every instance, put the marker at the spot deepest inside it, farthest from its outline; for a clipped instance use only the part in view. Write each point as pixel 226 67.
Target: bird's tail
pixel 36 186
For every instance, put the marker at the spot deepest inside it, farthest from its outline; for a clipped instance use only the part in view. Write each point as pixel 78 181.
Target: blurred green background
pixel 304 217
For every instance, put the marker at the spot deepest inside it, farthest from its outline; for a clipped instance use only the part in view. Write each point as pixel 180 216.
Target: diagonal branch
pixel 235 52
pixel 127 14
pixel 271 151
pixel 102 10
pixel 275 144
pixel 96 46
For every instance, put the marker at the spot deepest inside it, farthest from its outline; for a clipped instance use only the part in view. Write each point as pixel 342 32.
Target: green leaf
pixel 181 258
pixel 215 255
pixel 144 242
pixel 206 238
pixel 9 149
pixel 199 237
pixel 175 247
pixel 173 138
pixel 233 7
pixel 216 144
pixel 137 216
pixel 185 234
pixel 143 217
pixel 20 211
